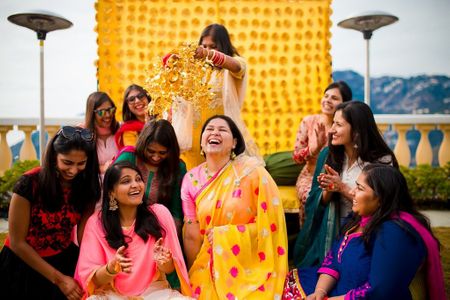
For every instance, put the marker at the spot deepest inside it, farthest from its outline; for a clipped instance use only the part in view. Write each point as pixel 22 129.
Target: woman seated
pixel 354 142
pixel 382 248
pixel 234 230
pixel 129 246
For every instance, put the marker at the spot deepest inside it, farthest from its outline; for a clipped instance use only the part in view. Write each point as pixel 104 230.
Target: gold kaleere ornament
pixel 178 74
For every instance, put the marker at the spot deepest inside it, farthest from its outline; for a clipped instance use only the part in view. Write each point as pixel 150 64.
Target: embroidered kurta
pixel 95 252
pixel 248 259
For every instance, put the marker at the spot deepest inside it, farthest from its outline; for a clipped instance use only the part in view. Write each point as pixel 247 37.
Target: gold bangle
pixel 109 272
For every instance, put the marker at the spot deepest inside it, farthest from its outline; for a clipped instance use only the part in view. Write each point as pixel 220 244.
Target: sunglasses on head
pixel 102 112
pixel 69 132
pixel 139 96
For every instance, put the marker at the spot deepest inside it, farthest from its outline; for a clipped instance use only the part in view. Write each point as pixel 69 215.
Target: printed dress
pixel 241 204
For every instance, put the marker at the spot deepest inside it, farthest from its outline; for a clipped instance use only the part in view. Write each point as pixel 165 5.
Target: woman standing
pixel 100 118
pixel 234 229
pixel 134 114
pixel 354 142
pixel 312 137
pixel 228 84
pixel 130 245
pixel 39 257
pixel 387 250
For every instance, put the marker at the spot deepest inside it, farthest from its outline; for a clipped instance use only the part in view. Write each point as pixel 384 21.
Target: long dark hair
pixel 93 102
pixel 235 132
pixel 146 221
pixel 168 175
pixel 127 115
pixel 219 34
pixel 344 90
pixel 390 187
pixel 85 187
pixel 370 145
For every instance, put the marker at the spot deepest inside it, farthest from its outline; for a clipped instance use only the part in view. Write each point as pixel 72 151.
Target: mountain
pixel 424 94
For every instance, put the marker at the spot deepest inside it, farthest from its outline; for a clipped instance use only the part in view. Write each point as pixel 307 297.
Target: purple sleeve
pixel 187 198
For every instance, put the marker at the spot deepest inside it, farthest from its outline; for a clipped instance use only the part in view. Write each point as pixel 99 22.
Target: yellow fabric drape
pixel 249 257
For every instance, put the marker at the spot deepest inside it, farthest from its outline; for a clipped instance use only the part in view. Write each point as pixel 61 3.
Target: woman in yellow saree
pixel 235 233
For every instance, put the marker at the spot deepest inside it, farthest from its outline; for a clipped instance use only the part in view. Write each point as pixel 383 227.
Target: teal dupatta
pixel 321 225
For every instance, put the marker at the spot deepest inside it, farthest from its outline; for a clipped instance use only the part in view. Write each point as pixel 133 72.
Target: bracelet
pixel 109 272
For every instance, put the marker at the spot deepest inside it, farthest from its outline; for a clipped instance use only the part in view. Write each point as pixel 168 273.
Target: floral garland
pixel 180 75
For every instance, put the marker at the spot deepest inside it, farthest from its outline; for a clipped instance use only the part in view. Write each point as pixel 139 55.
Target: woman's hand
pixel 330 181
pixel 319 294
pixel 210 236
pixel 315 145
pixel 163 257
pixel 69 287
pixel 201 52
pixel 120 262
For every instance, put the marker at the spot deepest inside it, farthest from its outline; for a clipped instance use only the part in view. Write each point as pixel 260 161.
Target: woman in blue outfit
pixel 386 246
pixel 354 142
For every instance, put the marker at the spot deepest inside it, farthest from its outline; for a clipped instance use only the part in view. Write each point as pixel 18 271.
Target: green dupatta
pixel 321 225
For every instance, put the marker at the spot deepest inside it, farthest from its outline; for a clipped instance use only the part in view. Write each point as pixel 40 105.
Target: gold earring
pixel 112 203
pixel 233 155
pixel 202 153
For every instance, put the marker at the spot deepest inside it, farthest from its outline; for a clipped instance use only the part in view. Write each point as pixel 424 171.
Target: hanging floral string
pixel 178 74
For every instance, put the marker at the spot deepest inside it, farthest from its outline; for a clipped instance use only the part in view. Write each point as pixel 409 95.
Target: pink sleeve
pixel 187 197
pixel 301 142
pixel 171 242
pixel 92 253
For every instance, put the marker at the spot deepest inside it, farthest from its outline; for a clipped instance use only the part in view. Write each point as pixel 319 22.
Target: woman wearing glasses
pixel 101 119
pixel 39 256
pixel 134 114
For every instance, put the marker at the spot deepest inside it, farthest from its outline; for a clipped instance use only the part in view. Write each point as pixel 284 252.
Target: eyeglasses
pixel 139 96
pixel 69 132
pixel 101 112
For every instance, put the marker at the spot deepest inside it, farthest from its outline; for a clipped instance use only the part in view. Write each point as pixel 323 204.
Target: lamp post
pixel 42 23
pixel 367 23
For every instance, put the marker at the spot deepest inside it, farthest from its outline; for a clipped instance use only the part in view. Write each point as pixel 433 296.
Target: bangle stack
pixel 109 272
pixel 218 58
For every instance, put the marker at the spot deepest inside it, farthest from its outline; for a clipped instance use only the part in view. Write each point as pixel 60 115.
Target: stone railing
pixel 27 126
pixel 399 123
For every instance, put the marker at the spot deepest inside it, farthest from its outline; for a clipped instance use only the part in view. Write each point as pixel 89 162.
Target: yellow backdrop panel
pixel 286 44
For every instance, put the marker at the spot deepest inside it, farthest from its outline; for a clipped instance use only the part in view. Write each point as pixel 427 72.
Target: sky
pixel 417 44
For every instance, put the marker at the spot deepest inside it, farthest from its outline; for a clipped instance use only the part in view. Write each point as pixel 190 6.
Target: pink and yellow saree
pixel 248 258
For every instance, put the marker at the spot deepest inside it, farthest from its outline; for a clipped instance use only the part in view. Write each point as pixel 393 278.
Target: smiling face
pixel 217 138
pixel 107 116
pixel 138 105
pixel 341 131
pixel 70 164
pixel 130 188
pixel 365 203
pixel 330 100
pixel 155 154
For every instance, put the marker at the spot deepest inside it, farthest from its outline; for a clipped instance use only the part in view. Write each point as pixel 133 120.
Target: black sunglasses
pixel 139 96
pixel 69 132
pixel 102 112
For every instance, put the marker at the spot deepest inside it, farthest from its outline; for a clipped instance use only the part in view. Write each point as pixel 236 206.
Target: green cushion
pixel 283 169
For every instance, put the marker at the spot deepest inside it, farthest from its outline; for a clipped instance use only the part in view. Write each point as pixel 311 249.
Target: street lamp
pixel 367 23
pixel 41 22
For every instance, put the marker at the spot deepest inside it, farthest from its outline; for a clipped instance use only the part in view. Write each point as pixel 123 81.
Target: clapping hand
pixel 329 181
pixel 120 262
pixel 163 257
pixel 315 145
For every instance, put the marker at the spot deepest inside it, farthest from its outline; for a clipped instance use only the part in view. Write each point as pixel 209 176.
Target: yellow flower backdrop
pixel 286 45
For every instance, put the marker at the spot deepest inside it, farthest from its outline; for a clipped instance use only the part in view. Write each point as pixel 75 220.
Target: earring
pixel 233 155
pixel 112 203
pixel 355 146
pixel 202 153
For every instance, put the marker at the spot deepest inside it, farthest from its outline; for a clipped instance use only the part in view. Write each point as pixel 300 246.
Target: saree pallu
pixel 321 225
pixel 248 259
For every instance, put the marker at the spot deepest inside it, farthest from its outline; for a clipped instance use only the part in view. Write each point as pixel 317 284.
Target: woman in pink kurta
pixel 312 137
pixel 128 247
